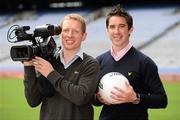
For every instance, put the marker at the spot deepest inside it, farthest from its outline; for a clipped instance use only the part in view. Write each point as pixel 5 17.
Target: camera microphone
pixel 57 30
pixel 47 30
pixel 21 29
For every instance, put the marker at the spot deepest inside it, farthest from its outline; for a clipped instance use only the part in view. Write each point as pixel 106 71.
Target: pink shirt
pixel 117 56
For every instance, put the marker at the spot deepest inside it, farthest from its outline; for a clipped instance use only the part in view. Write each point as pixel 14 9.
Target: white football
pixel 108 82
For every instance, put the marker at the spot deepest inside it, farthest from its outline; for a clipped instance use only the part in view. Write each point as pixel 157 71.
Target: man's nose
pixel 70 33
pixel 116 30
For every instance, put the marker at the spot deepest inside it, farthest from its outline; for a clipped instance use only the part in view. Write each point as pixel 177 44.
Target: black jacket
pixel 144 79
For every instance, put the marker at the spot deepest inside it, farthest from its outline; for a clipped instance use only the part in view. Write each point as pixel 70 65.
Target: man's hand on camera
pixel 27 63
pixel 42 66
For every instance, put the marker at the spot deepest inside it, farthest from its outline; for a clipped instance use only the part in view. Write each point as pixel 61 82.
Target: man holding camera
pixel 65 84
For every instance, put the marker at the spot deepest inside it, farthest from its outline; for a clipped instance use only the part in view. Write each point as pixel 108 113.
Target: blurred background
pixel 156 33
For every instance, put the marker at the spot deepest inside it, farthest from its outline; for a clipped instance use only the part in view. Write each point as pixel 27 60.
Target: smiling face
pixel 72 34
pixel 118 32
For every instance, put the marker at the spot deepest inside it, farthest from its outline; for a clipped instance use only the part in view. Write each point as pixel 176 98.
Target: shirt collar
pixel 79 54
pixel 117 56
pixel 59 52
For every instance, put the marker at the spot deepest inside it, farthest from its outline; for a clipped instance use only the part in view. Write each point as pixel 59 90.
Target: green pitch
pixel 13 105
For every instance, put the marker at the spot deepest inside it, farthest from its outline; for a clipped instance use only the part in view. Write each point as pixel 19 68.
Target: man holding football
pixel 144 87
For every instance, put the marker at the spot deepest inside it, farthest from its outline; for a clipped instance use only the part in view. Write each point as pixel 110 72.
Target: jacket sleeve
pixel 82 92
pixel 32 93
pixel 154 95
pixel 96 102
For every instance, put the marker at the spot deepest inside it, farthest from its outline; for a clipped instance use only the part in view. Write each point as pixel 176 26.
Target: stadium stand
pixel 150 24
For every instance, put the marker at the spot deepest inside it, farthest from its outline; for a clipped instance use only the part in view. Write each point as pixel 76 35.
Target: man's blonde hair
pixel 77 17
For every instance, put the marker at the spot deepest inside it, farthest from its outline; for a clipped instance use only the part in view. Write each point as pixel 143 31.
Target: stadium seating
pixel 148 23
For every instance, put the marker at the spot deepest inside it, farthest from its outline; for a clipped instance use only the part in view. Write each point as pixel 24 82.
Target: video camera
pixel 43 44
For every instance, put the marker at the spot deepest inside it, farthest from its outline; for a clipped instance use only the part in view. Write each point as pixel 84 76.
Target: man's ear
pixel 131 30
pixel 84 36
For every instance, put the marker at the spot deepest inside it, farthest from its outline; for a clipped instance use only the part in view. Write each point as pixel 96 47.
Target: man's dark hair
pixel 118 10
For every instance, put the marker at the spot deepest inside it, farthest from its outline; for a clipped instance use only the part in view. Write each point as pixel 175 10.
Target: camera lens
pixel 20 53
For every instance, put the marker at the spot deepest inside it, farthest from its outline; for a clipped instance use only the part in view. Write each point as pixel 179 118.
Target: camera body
pixel 43 44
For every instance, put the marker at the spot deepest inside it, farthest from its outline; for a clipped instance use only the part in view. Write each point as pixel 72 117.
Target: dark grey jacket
pixel 73 87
